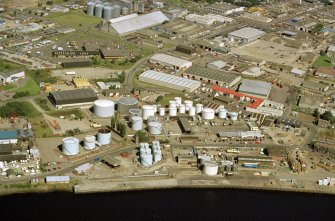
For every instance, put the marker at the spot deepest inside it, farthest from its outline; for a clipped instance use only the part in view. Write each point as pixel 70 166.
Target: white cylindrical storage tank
pixel 70 146
pixel 152 119
pixel 222 113
pixel 157 156
pixel 135 112
pixel 107 13
pixel 188 104
pixel 233 116
pixel 161 111
pixel 147 111
pixel 146 160
pixel 104 136
pixel 98 10
pixel 125 104
pixel 155 128
pixel 90 8
pixel 124 11
pixel 116 11
pixel 191 111
pixel 104 108
pixel 198 108
pixel 155 108
pixel 172 104
pixel 210 168
pixel 136 123
pixel 208 114
pixel 142 148
pixel 172 111
pixel 182 108
pixel 177 100
pixel 89 142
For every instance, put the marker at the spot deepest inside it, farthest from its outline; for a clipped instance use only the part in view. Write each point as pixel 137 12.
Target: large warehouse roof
pixel 171 60
pixel 139 22
pixel 170 81
pixel 247 33
pixel 212 74
pixel 73 96
pixel 255 87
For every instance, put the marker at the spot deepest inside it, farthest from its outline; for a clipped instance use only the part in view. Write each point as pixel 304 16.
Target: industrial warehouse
pixel 169 81
pixel 246 34
pixel 170 61
pixel 72 97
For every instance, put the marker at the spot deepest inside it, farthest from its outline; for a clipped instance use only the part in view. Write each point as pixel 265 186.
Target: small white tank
pixel 188 104
pixel 155 128
pixel 208 114
pixel 172 104
pixel 147 110
pixel 198 108
pixel 155 108
pixel 178 100
pixel 222 113
pixel 172 111
pixel 210 168
pixel 89 142
pixel 191 111
pixel 233 116
pixel 182 108
pixel 152 119
pixel 136 123
pixel 162 111
pixel 146 160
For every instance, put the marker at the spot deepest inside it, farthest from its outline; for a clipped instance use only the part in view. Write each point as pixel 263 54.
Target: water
pixel 174 204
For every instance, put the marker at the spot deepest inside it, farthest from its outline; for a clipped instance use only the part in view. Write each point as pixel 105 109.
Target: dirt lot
pixel 19 3
pixel 90 73
pixel 292 137
pixel 270 51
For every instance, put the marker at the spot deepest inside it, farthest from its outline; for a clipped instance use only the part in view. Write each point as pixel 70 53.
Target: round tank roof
pixel 70 140
pixel 128 100
pixel 104 103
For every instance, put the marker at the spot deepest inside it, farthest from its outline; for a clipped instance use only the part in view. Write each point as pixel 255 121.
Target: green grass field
pixel 30 86
pixel 66 113
pixel 7 87
pixel 43 103
pixel 323 61
pixel 74 19
pixel 6 65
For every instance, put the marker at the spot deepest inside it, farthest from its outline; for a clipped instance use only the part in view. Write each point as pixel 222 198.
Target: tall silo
pixel 89 142
pixel 104 108
pixel 90 8
pixel 104 136
pixel 98 10
pixel 70 146
pixel 108 12
pixel 125 11
pixel 116 11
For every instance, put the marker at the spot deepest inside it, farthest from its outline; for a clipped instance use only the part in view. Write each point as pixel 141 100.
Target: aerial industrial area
pixel 142 94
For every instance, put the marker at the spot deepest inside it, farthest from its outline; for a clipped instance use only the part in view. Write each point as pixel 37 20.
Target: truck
pixel 70 73
pixel 94 125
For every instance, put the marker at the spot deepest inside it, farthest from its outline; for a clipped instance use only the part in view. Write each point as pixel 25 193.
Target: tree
pixel 159 98
pixel 316 113
pixel 328 116
pixel 142 136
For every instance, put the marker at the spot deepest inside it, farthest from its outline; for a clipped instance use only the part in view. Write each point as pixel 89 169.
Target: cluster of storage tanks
pixel 105 11
pixel 211 167
pixel 70 145
pixel 149 156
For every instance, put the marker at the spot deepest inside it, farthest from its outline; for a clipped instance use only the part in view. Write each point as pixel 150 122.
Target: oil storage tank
pixel 98 10
pixel 70 146
pixel 182 108
pixel 136 123
pixel 208 114
pixel 199 108
pixel 107 13
pixel 210 168
pixel 222 113
pixel 135 112
pixel 188 104
pixel 172 111
pixel 155 128
pixel 116 11
pixel 162 111
pixel 89 142
pixel 192 111
pixel 148 110
pixel 124 11
pixel 152 119
pixel 146 159
pixel 90 8
pixel 233 116
pixel 104 136
pixel 104 108
pixel 125 104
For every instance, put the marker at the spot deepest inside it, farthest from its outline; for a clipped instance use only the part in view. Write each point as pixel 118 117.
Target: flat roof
pixel 247 33
pixel 170 80
pixel 255 87
pixel 8 134
pixel 139 22
pixel 74 94
pixel 212 74
pixel 174 61
pixel 9 73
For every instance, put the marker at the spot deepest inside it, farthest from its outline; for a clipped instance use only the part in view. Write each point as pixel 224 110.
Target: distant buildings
pixel 208 19
pixel 72 97
pixel 171 62
pixel 245 35
pixel 224 8
pixel 7 77
pixel 257 88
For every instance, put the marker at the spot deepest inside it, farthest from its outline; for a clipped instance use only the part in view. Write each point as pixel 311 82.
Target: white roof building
pixel 57 179
pixel 134 24
pixel 298 72
pixel 170 81
pixel 208 19
pixel 170 61
pixel 11 76
pixel 258 88
pixel 253 71
pixel 246 34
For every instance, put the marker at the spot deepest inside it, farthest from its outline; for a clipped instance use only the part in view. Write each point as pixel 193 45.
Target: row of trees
pixel 118 126
pixel 325 116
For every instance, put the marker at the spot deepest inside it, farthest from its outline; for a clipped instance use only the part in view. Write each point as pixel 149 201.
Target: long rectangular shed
pixel 72 97
pixel 170 61
pixel 170 81
pixel 212 76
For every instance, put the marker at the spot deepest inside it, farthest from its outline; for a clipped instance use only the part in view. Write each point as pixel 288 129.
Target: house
pixel 7 77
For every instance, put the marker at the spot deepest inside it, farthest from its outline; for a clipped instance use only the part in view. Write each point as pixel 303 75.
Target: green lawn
pixel 74 19
pixel 42 76
pixel 43 103
pixel 30 86
pixel 7 87
pixel 66 113
pixel 324 61
pixel 6 65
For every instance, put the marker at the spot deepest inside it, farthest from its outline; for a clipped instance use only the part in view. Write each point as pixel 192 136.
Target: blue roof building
pixel 8 136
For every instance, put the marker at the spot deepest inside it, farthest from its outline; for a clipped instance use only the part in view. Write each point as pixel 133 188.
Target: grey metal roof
pixel 140 22
pixel 171 60
pixel 212 74
pixel 255 87
pixel 247 33
pixel 170 80
pixel 74 94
